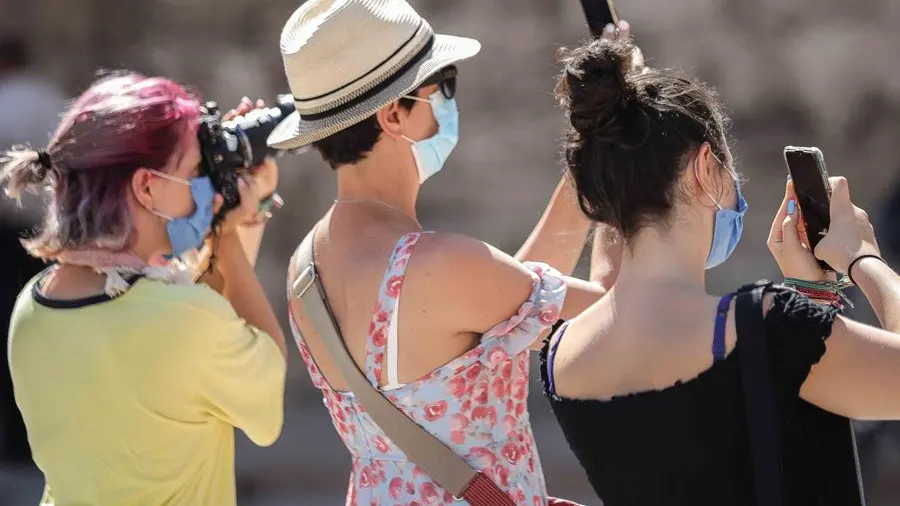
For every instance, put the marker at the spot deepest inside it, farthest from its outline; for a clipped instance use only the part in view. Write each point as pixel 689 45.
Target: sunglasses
pixel 446 81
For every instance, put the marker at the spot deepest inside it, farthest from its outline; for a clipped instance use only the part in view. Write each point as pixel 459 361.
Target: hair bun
pixel 599 88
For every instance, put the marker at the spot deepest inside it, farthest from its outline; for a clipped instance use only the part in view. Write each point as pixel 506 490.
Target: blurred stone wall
pixel 802 72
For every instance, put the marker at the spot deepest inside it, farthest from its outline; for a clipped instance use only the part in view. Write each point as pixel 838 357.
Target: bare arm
pixel 251 237
pixel 244 291
pixel 482 286
pixel 559 236
pixel 606 255
pixel 265 182
pixel 859 376
pixel 265 179
pixel 881 286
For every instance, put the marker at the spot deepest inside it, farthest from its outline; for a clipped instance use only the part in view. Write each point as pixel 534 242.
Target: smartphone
pixel 599 13
pixel 806 165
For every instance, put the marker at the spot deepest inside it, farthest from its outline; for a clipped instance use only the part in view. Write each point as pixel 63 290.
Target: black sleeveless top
pixel 687 445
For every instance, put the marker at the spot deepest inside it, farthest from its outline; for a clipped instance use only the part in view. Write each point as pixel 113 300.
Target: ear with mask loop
pixel 730 172
pixel 728 224
pixel 700 181
pixel 189 232
pixel 431 154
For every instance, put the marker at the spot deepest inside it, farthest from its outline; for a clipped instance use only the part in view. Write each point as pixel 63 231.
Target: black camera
pixel 233 146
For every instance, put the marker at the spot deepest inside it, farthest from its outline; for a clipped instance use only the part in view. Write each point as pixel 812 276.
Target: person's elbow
pixel 267 433
pixel 266 429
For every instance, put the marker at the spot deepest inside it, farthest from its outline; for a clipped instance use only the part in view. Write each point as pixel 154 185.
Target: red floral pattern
pixel 476 404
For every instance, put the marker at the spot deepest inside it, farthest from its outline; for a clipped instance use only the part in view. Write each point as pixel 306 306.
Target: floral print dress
pixel 475 404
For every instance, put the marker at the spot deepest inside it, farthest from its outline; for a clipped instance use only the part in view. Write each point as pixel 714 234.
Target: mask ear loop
pixel 697 175
pixel 210 266
pixel 730 171
pixel 428 101
pixel 167 177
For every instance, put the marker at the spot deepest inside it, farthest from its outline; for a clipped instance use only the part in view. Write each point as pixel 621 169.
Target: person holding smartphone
pixel 131 377
pixel 646 384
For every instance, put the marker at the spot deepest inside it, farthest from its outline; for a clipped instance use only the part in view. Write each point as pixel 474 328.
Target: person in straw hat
pixel 374 90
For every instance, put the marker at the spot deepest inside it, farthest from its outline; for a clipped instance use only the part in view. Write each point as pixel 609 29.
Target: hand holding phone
pixel 806 166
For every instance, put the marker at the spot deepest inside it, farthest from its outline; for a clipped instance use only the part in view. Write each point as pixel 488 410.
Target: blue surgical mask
pixel 727 230
pixel 431 153
pixel 188 233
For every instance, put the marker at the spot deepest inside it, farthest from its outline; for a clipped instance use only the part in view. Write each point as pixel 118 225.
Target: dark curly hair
pixel 631 132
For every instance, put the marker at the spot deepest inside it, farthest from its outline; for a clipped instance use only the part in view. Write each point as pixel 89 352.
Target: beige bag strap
pixel 444 466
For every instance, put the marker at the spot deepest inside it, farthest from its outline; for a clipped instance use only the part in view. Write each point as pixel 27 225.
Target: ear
pixel 705 170
pixel 391 118
pixel 141 184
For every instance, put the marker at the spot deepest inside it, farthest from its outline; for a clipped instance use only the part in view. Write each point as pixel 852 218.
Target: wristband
pixel 824 292
pixel 856 260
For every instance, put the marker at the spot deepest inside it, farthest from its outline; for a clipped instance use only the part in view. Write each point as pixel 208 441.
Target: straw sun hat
pixel 346 59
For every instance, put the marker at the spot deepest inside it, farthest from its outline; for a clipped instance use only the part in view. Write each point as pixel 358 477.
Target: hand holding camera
pixel 242 169
pixel 263 176
pixel 234 147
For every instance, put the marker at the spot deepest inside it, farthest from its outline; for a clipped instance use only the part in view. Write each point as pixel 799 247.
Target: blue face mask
pixel 432 153
pixel 188 233
pixel 727 230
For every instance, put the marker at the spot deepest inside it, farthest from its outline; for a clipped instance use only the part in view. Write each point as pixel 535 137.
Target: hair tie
pixel 43 158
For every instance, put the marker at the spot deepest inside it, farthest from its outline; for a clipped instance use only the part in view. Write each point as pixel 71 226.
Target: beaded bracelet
pixel 824 292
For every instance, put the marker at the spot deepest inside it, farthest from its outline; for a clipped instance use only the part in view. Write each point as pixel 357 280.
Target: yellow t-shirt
pixel 133 400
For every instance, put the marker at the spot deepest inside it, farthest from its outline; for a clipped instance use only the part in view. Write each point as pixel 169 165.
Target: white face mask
pixel 431 154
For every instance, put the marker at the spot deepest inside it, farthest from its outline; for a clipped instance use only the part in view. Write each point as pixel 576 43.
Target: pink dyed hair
pixel 123 122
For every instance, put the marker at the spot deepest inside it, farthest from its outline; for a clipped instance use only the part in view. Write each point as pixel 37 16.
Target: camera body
pixel 231 147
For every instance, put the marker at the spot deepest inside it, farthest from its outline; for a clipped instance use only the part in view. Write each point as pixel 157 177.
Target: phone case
pixel 820 161
pixel 819 158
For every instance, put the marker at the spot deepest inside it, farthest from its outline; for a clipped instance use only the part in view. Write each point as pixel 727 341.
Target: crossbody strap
pixel 441 463
pixel 765 448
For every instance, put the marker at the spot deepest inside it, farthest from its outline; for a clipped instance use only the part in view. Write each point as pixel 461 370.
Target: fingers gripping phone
pixel 806 165
pixel 600 13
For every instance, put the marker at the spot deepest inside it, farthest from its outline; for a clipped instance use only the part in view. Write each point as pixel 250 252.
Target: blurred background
pixel 805 72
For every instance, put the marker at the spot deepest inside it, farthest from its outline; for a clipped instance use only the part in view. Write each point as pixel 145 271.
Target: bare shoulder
pixel 462 257
pixel 458 247
pixel 638 342
pixel 475 281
